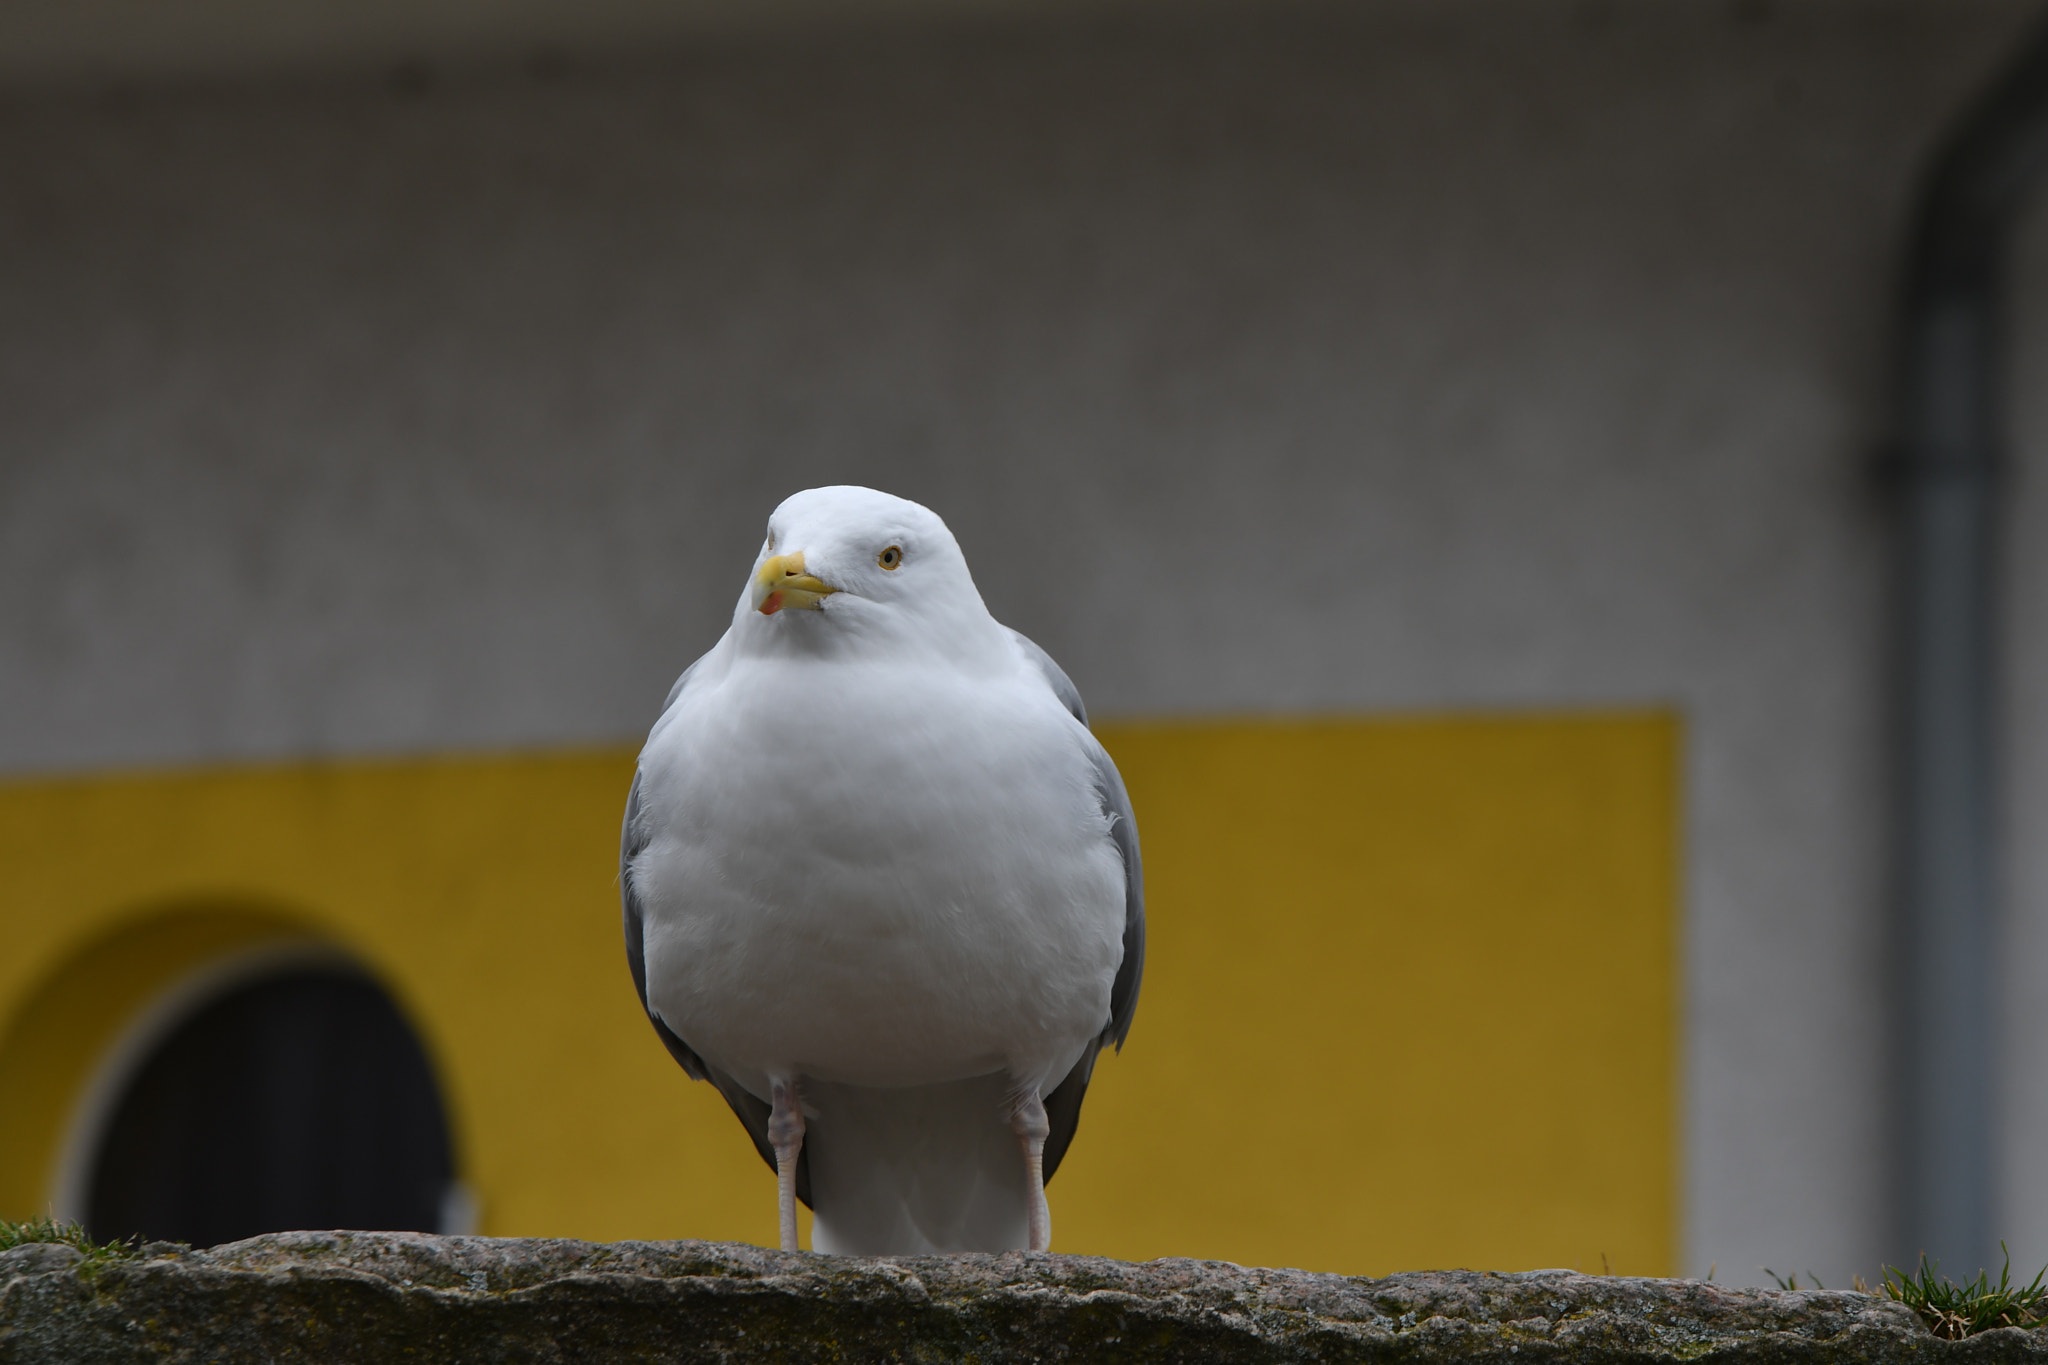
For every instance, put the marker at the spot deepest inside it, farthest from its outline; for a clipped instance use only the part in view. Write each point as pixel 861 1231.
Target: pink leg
pixel 1028 1120
pixel 786 1135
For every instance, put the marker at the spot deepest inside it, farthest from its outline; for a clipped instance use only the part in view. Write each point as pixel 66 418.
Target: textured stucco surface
pixel 1486 356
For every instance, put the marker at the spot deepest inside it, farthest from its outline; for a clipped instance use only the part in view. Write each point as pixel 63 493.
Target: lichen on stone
pixel 357 1296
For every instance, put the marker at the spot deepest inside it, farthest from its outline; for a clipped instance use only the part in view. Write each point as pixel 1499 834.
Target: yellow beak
pixel 782 582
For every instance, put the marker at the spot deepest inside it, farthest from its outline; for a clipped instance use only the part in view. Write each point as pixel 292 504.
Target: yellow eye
pixel 890 557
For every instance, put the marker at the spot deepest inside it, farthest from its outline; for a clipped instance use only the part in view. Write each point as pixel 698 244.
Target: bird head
pixel 865 560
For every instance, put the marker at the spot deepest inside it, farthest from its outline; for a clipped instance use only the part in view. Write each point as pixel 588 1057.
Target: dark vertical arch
pixel 1948 466
pixel 300 1100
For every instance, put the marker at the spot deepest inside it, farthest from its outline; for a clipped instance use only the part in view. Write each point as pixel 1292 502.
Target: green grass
pixel 1788 1281
pixel 1955 1311
pixel 14 1234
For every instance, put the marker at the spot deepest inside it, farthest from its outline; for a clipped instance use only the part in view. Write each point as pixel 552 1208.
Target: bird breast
pixel 878 880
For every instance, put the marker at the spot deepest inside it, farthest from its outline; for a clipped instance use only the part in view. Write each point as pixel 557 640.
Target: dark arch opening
pixel 301 1100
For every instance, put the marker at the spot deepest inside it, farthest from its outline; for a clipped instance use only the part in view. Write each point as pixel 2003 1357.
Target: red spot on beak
pixel 772 605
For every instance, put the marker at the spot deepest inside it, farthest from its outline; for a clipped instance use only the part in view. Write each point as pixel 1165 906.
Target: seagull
pixel 882 887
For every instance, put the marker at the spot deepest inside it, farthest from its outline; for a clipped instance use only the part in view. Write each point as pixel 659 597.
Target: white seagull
pixel 882 886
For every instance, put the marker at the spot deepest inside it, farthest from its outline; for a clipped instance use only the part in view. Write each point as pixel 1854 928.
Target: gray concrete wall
pixel 1497 356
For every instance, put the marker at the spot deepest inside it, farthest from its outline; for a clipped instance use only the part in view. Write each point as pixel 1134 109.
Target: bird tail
pixel 915 1170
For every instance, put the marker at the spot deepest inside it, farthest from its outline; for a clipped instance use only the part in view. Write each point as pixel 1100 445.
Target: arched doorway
pixel 298 1098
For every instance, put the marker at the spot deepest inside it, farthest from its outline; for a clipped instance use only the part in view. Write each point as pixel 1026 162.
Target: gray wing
pixel 1062 685
pixel 1123 828
pixel 751 1111
pixel 1063 1105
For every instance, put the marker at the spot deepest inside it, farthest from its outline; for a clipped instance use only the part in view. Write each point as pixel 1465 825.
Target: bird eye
pixel 890 557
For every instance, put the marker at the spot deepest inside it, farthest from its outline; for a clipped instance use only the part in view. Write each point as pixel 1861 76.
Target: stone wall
pixel 348 1296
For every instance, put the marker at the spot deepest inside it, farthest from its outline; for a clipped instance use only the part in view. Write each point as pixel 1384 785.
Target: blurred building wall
pixel 1494 357
pixel 1409 998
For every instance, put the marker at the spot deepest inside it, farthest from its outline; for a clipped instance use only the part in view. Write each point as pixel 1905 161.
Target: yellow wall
pixel 1410 1000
